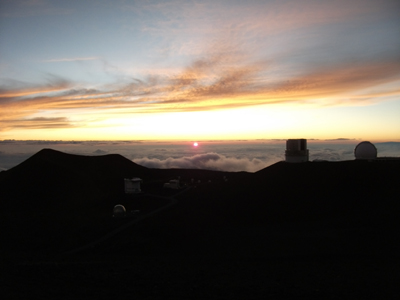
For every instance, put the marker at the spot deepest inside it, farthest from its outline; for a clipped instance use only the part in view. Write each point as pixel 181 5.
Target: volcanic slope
pixel 310 229
pixel 329 208
pixel 55 200
pixel 53 191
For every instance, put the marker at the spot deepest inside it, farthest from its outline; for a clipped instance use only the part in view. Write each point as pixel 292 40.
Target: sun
pixel 195 144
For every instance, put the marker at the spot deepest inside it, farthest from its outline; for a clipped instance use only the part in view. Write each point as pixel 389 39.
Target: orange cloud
pixel 227 79
pixel 341 80
pixel 13 93
pixel 39 123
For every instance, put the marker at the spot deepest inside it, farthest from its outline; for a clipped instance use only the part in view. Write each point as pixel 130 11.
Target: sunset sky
pixel 199 70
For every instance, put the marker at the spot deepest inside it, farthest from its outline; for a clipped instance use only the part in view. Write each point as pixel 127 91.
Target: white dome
pixel 119 211
pixel 365 150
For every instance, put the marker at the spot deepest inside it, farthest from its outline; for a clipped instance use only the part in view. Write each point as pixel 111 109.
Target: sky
pixel 199 70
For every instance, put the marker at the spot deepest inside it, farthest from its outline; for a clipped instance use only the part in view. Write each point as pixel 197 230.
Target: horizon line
pixel 311 140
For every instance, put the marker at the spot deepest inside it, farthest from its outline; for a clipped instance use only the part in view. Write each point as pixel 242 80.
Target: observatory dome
pixel 119 211
pixel 365 150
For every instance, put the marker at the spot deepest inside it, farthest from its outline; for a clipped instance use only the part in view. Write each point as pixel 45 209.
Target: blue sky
pixel 193 70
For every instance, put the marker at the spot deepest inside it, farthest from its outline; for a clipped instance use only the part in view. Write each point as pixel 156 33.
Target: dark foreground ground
pixel 290 231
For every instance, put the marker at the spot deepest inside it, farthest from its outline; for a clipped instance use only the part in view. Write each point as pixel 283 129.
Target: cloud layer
pixel 207 161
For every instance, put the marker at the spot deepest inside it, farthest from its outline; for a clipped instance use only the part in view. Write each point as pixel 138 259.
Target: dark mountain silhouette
pixel 53 192
pixel 229 234
pixel 55 176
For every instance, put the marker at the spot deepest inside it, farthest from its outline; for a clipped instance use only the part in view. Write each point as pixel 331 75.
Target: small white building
pixel 132 185
pixel 296 151
pixel 172 184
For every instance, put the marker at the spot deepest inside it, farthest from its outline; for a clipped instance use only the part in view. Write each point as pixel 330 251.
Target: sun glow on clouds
pixel 183 126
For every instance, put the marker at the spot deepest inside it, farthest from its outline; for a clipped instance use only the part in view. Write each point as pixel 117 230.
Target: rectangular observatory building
pixel 296 151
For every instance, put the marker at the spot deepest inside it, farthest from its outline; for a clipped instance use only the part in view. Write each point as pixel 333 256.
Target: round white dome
pixel 119 211
pixel 365 150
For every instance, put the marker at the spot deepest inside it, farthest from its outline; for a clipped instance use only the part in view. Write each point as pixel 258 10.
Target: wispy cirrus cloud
pixel 39 123
pixel 263 17
pixel 8 94
pixel 71 59
pixel 28 8
pixel 340 81
pixel 222 80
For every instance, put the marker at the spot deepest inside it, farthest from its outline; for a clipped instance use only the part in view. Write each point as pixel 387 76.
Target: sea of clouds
pixel 249 156
pixel 209 161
